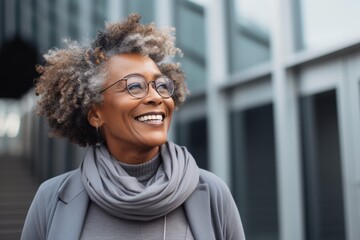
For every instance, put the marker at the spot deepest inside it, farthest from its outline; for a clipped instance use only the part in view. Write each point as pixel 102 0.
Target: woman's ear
pixel 94 117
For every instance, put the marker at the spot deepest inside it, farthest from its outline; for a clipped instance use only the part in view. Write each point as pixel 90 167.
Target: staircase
pixel 17 189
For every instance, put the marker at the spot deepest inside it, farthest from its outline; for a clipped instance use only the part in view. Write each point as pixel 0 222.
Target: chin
pixel 155 141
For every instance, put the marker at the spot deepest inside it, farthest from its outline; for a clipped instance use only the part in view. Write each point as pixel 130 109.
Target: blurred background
pixel 274 107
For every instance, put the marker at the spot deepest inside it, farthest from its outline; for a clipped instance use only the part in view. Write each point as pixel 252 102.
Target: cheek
pixel 170 105
pixel 116 110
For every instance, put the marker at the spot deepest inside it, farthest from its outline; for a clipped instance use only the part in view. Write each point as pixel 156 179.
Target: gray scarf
pixel 121 195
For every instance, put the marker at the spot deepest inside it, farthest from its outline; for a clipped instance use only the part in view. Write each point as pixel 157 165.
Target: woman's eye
pixel 162 86
pixel 134 86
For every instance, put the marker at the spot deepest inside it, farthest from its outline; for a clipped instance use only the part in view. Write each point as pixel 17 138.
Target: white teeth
pixel 150 118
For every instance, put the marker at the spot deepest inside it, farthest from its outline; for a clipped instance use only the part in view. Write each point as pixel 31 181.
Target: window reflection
pixel 190 27
pixel 199 2
pixel 144 8
pixel 253 20
pixel 9 119
pixel 98 15
pixel 193 135
pixel 12 124
pixel 324 23
pixel 322 168
pixel 73 10
pixel 254 173
pixel 53 23
pixel 249 30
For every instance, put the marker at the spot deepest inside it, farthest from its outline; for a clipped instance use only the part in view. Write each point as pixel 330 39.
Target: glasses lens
pixel 137 86
pixel 164 86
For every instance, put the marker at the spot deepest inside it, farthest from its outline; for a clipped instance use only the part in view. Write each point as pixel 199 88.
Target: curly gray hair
pixel 71 78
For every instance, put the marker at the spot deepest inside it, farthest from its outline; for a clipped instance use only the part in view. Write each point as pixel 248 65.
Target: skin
pixel 129 140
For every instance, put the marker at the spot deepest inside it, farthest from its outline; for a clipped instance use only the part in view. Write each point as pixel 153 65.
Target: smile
pixel 151 118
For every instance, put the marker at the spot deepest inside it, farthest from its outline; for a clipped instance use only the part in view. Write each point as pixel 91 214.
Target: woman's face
pixel 122 117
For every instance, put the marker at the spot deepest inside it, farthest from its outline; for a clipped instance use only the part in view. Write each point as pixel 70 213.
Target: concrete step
pixel 17 189
pixel 10 234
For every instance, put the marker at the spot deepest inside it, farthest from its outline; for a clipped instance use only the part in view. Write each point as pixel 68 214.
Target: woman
pixel 117 96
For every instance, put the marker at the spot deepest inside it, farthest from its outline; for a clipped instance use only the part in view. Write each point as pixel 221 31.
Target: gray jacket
pixel 59 209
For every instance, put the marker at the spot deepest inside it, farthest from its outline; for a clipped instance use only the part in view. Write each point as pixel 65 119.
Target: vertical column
pixel 85 10
pixel 39 146
pixel 115 10
pixel 164 17
pixel 164 14
pixel 286 129
pixel 217 112
pixel 3 144
pixel 79 155
pixel 42 22
pixel 62 21
pixel 9 19
pixel 2 22
pixel 26 15
pixel 28 107
pixel 59 160
pixel 349 120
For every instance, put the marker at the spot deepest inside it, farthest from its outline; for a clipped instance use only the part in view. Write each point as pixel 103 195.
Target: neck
pixel 136 156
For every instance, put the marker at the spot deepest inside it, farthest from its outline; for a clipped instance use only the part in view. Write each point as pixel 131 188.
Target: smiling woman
pixel 129 124
pixel 117 97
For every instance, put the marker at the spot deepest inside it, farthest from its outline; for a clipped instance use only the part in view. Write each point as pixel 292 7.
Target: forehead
pixel 119 66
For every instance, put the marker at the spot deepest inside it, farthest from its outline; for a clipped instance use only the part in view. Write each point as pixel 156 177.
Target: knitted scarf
pixel 121 195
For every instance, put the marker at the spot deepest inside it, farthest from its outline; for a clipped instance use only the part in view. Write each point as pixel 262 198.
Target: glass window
pixel 144 8
pixel 70 156
pixel 193 135
pixel 195 74
pixel 42 163
pixel 18 17
pixel 2 22
pixel 249 33
pixel 73 10
pixel 52 24
pixel 99 15
pixel 254 172
pixel 324 23
pixel 34 10
pixel 190 27
pixel 323 191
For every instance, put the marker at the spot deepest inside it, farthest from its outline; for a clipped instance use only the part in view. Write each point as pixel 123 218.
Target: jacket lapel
pixel 71 209
pixel 73 202
pixel 197 208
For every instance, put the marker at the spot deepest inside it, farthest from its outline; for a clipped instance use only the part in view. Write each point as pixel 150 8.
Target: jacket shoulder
pixel 53 184
pixel 50 188
pixel 214 182
pixel 225 214
pixel 42 208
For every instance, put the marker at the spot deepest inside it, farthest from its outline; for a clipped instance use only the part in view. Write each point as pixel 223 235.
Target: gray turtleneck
pixel 144 171
pixel 101 225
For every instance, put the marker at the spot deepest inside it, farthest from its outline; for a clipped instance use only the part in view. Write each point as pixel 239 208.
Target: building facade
pixel 274 108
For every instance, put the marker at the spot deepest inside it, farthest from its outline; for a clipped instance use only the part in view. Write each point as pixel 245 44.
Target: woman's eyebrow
pixel 155 76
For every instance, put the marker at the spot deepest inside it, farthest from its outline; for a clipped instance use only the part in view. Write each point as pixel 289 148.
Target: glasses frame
pixel 147 89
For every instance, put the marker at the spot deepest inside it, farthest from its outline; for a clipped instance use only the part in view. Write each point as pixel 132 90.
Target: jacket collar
pixel 71 209
pixel 71 187
pixel 198 212
pixel 70 213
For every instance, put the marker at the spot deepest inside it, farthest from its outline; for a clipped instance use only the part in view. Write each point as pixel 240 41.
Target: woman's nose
pixel 153 97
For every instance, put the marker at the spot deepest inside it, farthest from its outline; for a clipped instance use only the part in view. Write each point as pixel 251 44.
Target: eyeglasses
pixel 138 87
